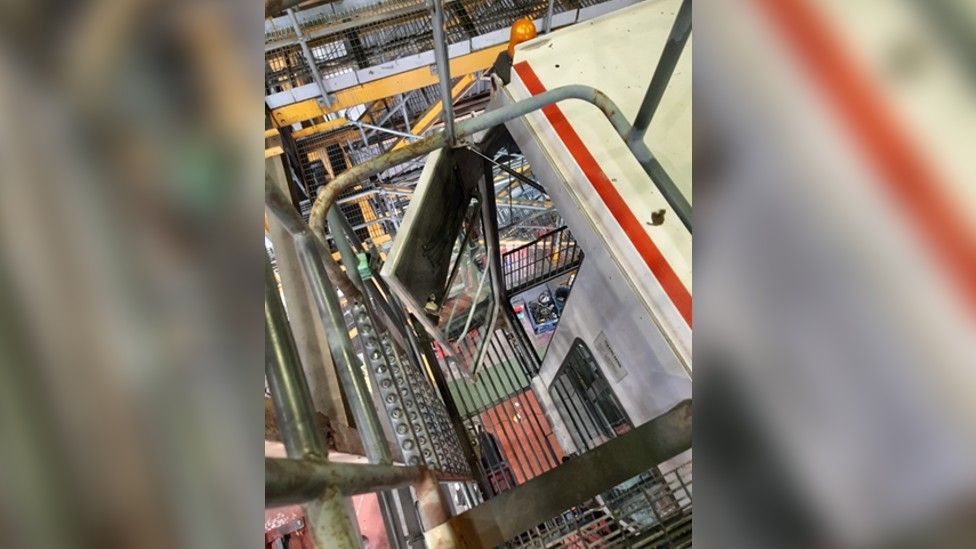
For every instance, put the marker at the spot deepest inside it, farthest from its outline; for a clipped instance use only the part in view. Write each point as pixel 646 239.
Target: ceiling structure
pixel 376 65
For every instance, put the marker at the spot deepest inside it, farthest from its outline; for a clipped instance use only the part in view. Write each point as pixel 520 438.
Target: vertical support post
pixel 391 519
pixel 403 110
pixel 350 373
pixel 306 325
pixel 680 31
pixel 338 227
pixel 547 23
pixel 434 512
pixel 362 133
pixel 413 531
pixel 443 68
pixel 310 255
pixel 394 213
pixel 307 52
pixel 291 397
pixel 329 516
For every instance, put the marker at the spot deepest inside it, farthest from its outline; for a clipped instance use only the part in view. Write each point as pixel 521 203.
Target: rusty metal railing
pixel 307 476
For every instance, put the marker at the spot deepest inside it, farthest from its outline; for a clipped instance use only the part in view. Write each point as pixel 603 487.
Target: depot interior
pixel 478 279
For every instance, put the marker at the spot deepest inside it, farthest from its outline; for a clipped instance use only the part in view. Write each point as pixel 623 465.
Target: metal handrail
pixel 467 128
pixel 354 384
pixel 327 516
pixel 292 481
pixel 675 44
pixel 534 242
pixel 308 476
pixel 582 478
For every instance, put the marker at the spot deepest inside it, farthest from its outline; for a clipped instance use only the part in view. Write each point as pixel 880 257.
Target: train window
pixel 586 401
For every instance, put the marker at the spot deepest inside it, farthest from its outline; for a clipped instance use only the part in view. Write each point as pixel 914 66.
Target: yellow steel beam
pixel 434 112
pixel 385 87
pixel 297 112
pixel 274 150
pixel 321 127
pixel 369 214
pixel 272 143
pixel 347 133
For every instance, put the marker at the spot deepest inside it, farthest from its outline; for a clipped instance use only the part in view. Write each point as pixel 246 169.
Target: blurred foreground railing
pixel 574 483
pixel 307 476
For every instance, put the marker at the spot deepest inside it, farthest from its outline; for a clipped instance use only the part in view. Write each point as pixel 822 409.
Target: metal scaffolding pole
pixel 350 373
pixel 680 31
pixel 293 402
pixel 401 104
pixel 328 196
pixel 306 326
pixel 329 520
pixel 547 23
pixel 406 115
pixel 291 481
pixel 307 475
pixel 386 130
pixel 443 68
pixel 307 52
pixel 362 133
pixel 675 44
pixel 349 370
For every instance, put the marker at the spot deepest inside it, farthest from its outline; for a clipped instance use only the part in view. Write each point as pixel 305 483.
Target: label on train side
pixel 615 369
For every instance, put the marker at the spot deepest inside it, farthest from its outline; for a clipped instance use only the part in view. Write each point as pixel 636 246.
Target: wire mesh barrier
pixel 552 254
pixel 651 510
pixel 585 400
pixel 320 159
pixel 354 40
